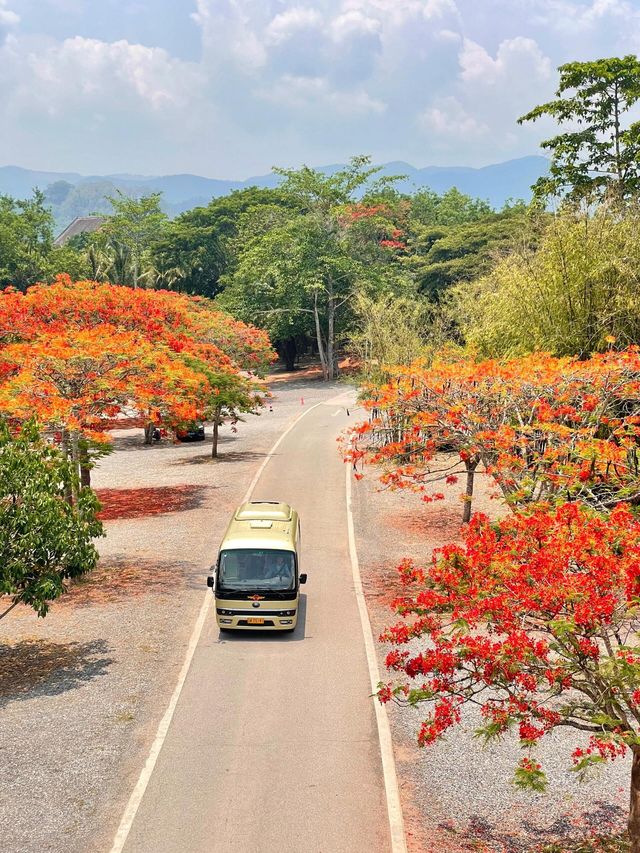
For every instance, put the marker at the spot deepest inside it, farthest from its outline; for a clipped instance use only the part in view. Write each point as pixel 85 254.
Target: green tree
pixel 26 240
pixel 598 154
pixel 200 242
pixel 428 208
pixel 572 294
pixel 134 226
pixel 302 269
pixel 440 255
pixel 44 540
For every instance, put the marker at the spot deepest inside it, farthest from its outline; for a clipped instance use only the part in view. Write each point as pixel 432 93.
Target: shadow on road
pixel 42 668
pixel 254 636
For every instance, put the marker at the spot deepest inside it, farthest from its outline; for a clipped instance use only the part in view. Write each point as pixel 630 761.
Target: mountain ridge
pixel 72 194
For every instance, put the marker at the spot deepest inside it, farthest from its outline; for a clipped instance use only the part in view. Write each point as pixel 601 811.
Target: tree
pixel 44 540
pixel 78 354
pixel 306 267
pixel 534 620
pixel 200 242
pixel 567 295
pixel 428 208
pixel 26 240
pixel 135 225
pixel 545 429
pixel 443 255
pixel 601 155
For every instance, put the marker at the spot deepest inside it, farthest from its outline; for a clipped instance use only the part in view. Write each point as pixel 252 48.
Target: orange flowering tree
pixel 533 621
pixel 78 354
pixel 545 428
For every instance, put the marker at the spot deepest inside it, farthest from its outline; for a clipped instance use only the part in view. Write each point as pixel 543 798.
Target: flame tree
pixel 76 354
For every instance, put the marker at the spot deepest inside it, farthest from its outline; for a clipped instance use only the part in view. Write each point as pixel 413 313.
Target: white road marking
pixel 145 775
pixel 336 413
pixel 394 807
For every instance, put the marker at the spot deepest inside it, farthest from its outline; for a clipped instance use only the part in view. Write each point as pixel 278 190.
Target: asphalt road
pixel 273 745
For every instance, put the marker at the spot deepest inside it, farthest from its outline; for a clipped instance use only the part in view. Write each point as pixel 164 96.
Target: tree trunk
pixel 331 335
pixel 64 446
pixel 216 426
pixel 85 466
pixel 148 433
pixel 470 465
pixel 289 353
pixel 321 352
pixel 75 458
pixel 634 804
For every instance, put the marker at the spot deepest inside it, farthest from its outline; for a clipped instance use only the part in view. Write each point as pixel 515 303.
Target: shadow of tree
pixel 45 668
pixel 122 579
pixel 229 456
pixel 601 817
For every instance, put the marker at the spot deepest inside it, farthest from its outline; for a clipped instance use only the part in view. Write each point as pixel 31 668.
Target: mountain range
pixel 71 194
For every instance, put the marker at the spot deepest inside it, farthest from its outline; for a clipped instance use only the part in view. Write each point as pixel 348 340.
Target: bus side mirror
pixel 303 578
pixel 210 581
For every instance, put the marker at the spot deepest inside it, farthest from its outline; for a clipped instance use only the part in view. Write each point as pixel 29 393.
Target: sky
pixel 229 88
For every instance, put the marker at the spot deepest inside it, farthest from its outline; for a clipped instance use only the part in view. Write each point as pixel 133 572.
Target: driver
pixel 280 568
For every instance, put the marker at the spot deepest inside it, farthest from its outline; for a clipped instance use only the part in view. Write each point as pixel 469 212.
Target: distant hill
pixel 71 194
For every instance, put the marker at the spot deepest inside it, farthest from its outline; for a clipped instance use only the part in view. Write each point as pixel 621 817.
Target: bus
pixel 256 579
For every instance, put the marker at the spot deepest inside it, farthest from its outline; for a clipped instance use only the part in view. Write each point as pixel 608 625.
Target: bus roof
pixel 262 524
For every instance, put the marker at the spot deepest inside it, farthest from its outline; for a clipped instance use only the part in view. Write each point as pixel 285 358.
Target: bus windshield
pixel 249 568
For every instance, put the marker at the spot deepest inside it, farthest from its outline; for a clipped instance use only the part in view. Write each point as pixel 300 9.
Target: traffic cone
pixel 302 401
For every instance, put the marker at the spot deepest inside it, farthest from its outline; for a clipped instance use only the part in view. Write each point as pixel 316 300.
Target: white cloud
pixel 448 118
pixel 514 56
pixel 287 24
pixel 313 92
pixel 429 81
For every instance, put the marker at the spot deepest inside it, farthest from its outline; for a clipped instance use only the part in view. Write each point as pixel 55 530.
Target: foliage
pixel 570 294
pixel 546 429
pixel 442 255
pixel 300 272
pixel 389 331
pixel 135 225
pixel 78 354
pixel 44 540
pixel 199 244
pixel 598 154
pixel 429 209
pixel 26 240
pixel 534 620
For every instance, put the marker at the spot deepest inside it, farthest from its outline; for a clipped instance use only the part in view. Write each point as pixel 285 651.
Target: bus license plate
pixel 255 621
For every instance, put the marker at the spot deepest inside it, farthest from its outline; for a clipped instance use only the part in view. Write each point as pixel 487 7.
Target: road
pixel 273 745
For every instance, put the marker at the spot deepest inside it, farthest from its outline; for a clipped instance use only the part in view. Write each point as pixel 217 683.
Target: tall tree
pixel 599 153
pixel 135 225
pixel 26 240
pixel 309 263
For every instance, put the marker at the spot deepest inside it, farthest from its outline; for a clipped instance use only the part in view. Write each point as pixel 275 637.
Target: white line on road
pixel 143 780
pixel 394 807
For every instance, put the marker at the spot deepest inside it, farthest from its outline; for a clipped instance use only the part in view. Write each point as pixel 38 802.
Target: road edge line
pixel 392 790
pixel 133 804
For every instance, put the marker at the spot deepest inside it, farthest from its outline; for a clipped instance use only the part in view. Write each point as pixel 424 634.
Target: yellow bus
pixel 256 579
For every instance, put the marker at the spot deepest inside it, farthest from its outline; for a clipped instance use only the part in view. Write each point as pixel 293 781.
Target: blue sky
pixel 228 88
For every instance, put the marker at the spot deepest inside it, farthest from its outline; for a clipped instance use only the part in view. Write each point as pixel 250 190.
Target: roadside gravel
pixel 81 692
pixel 457 795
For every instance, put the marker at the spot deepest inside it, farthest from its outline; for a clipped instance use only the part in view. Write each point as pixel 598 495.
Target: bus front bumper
pixel 248 620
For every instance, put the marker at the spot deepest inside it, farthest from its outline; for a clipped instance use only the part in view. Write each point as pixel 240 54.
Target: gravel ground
pixel 81 692
pixel 457 795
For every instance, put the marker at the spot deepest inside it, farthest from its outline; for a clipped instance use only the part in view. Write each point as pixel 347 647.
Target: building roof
pixel 80 225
